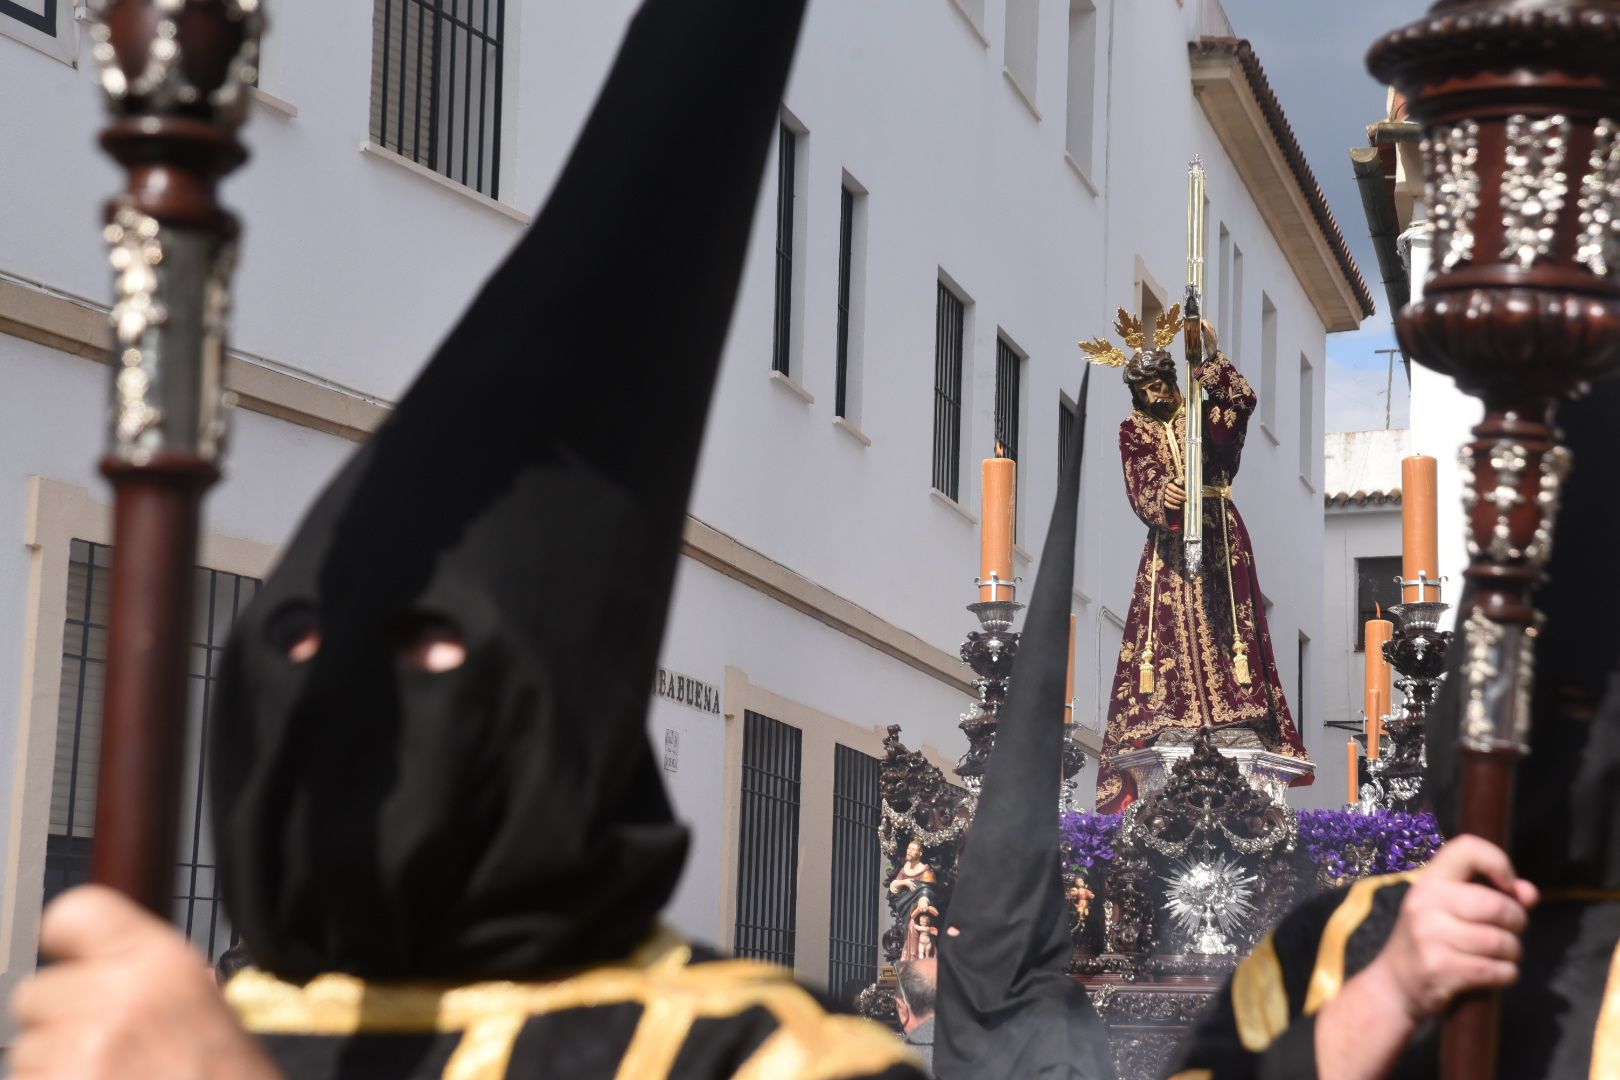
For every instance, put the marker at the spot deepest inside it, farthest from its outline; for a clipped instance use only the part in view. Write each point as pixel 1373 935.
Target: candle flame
pixel 1001 449
pixel 1378 610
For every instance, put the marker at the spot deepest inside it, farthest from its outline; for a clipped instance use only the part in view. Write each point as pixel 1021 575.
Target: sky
pixel 1314 54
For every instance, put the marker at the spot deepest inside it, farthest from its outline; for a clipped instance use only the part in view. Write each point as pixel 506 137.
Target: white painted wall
pixel 353 267
pixel 1442 417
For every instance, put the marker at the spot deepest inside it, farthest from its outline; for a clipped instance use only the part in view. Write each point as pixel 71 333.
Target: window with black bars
pixel 787 142
pixel 1009 376
pixel 846 244
pixel 198 910
pixel 40 15
pixel 1376 590
pixel 1299 684
pixel 852 950
pixel 949 320
pixel 436 75
pixel 1068 425
pixel 768 844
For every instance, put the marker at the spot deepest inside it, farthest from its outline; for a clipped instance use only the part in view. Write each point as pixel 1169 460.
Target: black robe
pixel 1263 1025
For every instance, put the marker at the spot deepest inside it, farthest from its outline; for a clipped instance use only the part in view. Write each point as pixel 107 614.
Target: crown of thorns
pixel 1099 350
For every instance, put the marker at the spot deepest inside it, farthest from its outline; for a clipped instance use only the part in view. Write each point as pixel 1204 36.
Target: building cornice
pixel 78 327
pixel 1233 91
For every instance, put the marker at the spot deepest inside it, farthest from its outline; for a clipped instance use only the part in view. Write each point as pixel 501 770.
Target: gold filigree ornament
pixel 1099 350
pixel 1167 326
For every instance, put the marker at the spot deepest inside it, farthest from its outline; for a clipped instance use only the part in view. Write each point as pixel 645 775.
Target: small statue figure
pixel 913 872
pixel 911 899
pixel 1081 898
pixel 921 933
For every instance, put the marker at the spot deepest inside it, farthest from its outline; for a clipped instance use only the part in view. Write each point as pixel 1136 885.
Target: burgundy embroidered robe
pixel 1191 629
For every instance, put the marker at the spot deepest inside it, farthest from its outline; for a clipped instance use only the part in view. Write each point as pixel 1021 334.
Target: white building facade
pixel 962 189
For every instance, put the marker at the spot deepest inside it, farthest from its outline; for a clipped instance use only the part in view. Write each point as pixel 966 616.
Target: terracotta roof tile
pixel 1292 153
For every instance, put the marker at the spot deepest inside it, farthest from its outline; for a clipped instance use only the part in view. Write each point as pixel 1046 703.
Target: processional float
pixel 176 75
pixel 1519 101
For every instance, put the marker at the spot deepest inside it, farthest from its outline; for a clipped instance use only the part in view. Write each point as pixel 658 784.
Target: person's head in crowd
pixel 918 980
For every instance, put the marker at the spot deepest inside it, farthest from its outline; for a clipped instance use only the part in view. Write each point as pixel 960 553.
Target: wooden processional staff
pixel 176 74
pixel 1519 101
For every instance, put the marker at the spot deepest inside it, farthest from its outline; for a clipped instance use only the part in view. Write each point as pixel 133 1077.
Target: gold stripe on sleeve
pixel 1327 978
pixel 1259 999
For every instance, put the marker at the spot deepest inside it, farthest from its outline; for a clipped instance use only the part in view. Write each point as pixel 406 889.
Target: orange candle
pixel 1420 536
pixel 996 528
pixel 1377 681
pixel 1350 754
pixel 1068 693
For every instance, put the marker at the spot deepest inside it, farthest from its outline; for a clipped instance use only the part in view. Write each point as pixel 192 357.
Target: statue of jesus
pixel 1196 649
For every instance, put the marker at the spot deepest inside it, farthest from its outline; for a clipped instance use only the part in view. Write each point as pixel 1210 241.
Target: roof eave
pixel 1249 122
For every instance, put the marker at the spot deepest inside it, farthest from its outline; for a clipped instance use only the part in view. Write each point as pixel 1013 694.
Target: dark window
pixel 1376 589
pixel 856 874
pixel 1068 425
pixel 1009 374
pixel 786 164
pixel 436 76
pixel 43 20
pixel 948 329
pixel 1299 688
pixel 768 847
pixel 197 907
pixel 846 244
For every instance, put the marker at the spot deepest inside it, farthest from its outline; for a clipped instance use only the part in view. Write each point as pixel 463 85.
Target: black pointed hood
pixel 1566 818
pixel 506 818
pixel 1006 1006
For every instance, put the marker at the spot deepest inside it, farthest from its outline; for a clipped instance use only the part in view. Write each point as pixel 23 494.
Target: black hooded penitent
pixel 506 819
pixel 1006 1007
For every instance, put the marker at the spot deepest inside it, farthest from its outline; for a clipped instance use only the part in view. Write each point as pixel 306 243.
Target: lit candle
pixel 1350 755
pixel 1420 536
pixel 996 528
pixel 1068 692
pixel 1377 680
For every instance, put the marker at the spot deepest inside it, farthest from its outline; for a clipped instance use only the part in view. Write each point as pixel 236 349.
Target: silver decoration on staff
pixel 1453 192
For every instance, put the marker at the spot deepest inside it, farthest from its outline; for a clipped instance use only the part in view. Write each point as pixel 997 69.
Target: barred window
pixel 436 77
pixel 846 244
pixel 35 14
pixel 1009 382
pixel 768 844
pixel 852 951
pixel 198 910
pixel 1068 427
pixel 949 325
pixel 786 176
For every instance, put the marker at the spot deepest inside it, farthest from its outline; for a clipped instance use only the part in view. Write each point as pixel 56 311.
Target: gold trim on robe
pixel 1327 977
pixel 1259 998
pixel 672 992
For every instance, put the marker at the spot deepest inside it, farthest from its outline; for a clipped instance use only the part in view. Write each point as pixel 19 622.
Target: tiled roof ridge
pixel 1362 498
pixel 1283 132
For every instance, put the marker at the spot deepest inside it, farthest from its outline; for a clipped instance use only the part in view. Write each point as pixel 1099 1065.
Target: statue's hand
pixel 1175 495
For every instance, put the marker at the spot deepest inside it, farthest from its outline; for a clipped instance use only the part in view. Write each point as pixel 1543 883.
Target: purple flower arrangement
pixel 1341 844
pixel 1088 839
pixel 1347 844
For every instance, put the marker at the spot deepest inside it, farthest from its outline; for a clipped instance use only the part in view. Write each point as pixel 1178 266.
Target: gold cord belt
pixel 1240 652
